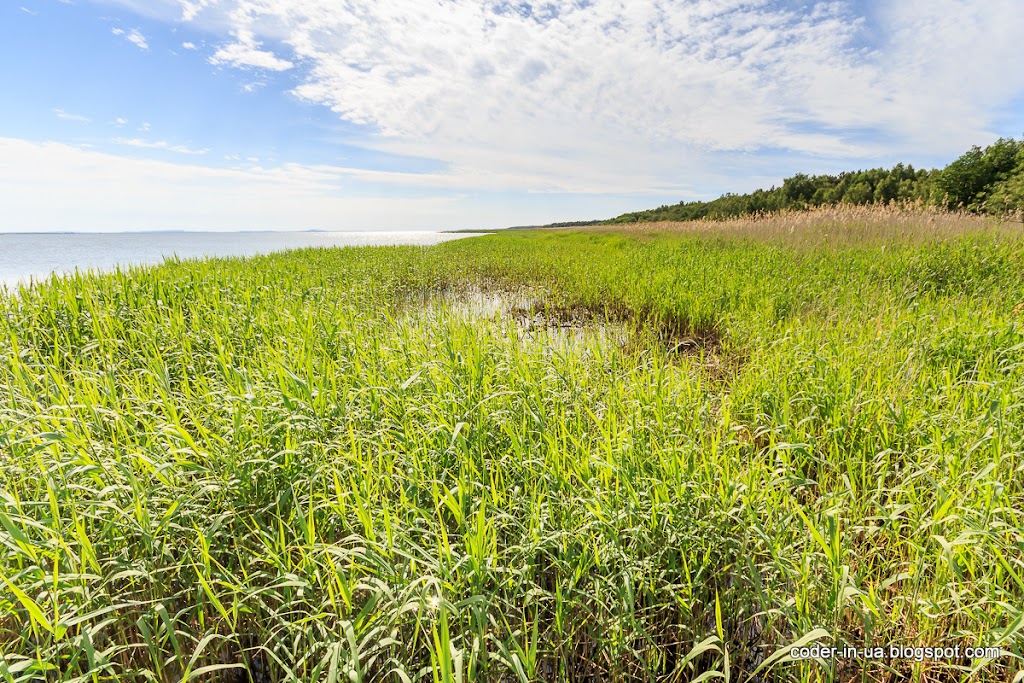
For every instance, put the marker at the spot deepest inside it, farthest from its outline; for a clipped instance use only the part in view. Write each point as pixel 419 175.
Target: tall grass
pixel 277 468
pixel 843 224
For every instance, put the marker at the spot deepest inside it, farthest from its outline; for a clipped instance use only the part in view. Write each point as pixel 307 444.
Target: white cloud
pixel 144 128
pixel 133 36
pixel 67 116
pixel 53 186
pixel 191 8
pixel 26 10
pixel 591 95
pixel 577 94
pixel 189 46
pixel 120 122
pixel 159 144
pixel 246 52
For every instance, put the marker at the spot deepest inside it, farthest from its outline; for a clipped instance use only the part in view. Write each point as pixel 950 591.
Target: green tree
pixel 798 190
pixel 887 189
pixel 966 182
pixel 1007 195
pixel 859 193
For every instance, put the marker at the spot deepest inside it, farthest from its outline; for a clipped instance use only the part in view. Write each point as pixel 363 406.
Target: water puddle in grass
pixel 536 319
pixel 525 312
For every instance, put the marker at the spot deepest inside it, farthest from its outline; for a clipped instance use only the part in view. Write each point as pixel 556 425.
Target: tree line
pixel 986 180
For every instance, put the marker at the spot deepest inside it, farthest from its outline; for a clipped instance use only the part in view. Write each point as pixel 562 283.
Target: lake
pixel 25 257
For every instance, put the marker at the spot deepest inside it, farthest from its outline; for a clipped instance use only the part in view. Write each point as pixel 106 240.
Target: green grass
pixel 322 465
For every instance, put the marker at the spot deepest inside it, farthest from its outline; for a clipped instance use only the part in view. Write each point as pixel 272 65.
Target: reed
pixel 324 465
pixel 847 224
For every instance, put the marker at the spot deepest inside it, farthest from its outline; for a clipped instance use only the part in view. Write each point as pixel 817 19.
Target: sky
pixel 124 115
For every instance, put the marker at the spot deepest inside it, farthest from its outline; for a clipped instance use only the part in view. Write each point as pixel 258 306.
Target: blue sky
pixel 403 114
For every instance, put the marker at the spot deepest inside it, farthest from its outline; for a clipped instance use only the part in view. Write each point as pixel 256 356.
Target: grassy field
pixel 661 454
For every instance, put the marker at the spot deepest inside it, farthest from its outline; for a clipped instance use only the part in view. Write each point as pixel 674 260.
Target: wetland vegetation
pixel 656 454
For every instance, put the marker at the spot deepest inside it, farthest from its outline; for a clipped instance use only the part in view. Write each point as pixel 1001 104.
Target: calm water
pixel 36 257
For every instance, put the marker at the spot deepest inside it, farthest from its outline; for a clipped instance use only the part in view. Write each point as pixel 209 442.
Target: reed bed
pixel 846 224
pixel 280 469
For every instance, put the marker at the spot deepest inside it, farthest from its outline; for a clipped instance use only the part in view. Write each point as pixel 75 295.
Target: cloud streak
pixel 160 145
pixel 68 116
pixel 246 52
pixel 55 186
pixel 133 36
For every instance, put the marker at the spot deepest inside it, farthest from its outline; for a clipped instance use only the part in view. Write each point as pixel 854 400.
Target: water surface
pixel 33 257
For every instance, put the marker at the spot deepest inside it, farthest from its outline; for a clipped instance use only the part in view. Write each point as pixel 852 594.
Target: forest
pixel 987 180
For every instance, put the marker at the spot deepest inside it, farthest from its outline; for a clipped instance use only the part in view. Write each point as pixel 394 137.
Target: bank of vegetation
pixel 986 181
pixel 653 455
